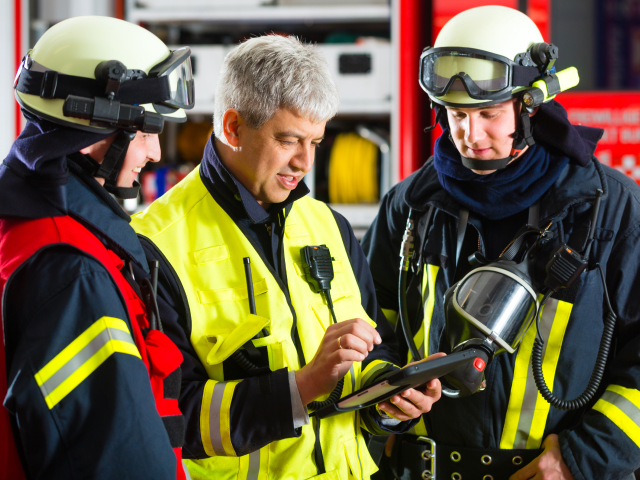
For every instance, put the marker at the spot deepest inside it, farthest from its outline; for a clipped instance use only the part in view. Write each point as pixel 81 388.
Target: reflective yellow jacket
pixel 206 250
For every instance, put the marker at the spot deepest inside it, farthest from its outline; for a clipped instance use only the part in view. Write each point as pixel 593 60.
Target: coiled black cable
pixel 598 370
pixel 242 361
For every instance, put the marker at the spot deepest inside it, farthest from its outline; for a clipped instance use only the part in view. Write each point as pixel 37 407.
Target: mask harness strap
pixel 111 166
pixel 523 137
pixel 530 228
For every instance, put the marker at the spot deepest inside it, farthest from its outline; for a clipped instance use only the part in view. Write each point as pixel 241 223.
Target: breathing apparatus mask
pixel 492 307
pixel 139 84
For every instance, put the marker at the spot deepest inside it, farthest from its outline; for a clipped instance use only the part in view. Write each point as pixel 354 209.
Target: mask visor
pixel 176 68
pixel 499 302
pixel 480 75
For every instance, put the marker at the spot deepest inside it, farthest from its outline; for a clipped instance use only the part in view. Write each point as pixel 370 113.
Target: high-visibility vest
pixel 159 354
pixel 206 249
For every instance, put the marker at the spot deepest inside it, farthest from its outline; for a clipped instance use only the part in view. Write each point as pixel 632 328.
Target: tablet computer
pixel 398 381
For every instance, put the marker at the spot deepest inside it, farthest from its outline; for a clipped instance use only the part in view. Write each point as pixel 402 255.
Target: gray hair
pixel 271 72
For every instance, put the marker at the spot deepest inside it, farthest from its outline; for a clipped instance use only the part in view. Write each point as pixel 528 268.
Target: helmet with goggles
pixel 488 55
pixel 101 73
pixel 105 75
pixel 483 56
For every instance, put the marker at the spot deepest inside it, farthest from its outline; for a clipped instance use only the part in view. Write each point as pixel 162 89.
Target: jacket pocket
pixel 224 344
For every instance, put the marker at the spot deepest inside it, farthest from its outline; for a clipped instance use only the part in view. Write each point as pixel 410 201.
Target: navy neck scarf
pixel 502 193
pixel 34 174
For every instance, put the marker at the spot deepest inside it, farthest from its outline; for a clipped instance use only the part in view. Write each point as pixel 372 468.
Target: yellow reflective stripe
pixel 622 406
pixel 419 340
pixel 516 397
pixel 419 428
pixel 371 369
pixel 431 273
pixel 215 412
pixel 617 416
pixel 391 316
pixel 82 357
pixel 205 417
pixel 549 366
pixel 527 411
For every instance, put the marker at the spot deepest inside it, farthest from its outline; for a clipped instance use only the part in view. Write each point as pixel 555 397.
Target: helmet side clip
pixel 113 73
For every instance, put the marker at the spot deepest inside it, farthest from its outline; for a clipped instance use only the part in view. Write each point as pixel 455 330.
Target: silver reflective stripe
pixel 531 391
pixel 80 358
pixel 186 471
pixel 214 418
pixel 353 379
pixel 254 465
pixel 627 407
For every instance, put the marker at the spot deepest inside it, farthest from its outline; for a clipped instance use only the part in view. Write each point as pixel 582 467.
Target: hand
pixel 343 343
pixel 548 466
pixel 413 402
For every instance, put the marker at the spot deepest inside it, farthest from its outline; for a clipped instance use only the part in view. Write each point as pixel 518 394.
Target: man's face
pixel 145 147
pixel 483 133
pixel 273 159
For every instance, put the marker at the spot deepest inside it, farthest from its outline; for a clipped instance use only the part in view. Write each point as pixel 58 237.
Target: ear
pixel 231 122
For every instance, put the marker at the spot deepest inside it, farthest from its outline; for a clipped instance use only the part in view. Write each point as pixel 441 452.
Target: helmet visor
pixel 497 303
pixel 480 75
pixel 177 69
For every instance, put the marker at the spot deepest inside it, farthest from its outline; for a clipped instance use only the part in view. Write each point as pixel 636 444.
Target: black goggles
pixel 482 75
pixel 169 84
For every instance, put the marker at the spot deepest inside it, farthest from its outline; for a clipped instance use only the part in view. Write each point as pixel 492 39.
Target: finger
pixel 345 355
pixel 406 406
pixel 360 325
pixel 433 389
pixel 430 357
pixel 354 343
pixel 393 411
pixel 357 331
pixel 364 331
pixel 421 401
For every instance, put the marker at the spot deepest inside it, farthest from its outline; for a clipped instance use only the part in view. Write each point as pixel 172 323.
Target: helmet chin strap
pixel 111 166
pixel 521 139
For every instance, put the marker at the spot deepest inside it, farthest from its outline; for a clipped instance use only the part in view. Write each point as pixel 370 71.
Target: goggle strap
pixel 51 84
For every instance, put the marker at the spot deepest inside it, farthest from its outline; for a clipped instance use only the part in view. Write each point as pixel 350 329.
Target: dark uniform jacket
pixel 107 426
pixel 601 440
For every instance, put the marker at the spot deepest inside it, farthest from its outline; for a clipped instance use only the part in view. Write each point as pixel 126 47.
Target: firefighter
pixel 88 380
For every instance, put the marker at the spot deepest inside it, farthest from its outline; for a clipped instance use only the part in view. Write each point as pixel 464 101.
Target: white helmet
pixel 489 55
pixel 485 55
pixel 104 74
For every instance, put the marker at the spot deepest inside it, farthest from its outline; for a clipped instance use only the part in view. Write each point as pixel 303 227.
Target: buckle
pixel 429 456
pixel 49 84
